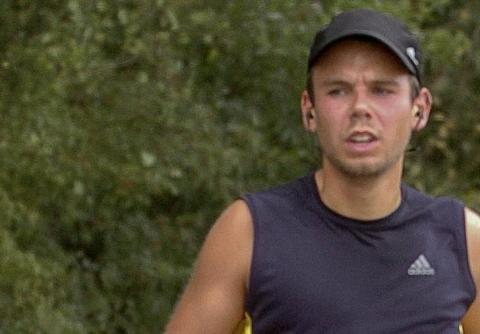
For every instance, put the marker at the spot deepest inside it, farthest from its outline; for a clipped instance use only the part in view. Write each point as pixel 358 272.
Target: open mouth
pixel 362 138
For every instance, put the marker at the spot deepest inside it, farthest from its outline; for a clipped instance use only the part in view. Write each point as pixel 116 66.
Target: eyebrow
pixel 386 82
pixel 334 82
pixel 378 82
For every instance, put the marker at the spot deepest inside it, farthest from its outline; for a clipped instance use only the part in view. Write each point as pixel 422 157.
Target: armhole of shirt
pixel 464 249
pixel 250 202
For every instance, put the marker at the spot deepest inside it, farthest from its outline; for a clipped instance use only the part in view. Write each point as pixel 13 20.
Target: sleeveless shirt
pixel 315 271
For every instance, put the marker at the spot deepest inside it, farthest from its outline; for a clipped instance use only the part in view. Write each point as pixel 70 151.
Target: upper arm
pixel 213 301
pixel 471 321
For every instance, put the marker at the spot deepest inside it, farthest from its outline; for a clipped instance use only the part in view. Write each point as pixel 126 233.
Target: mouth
pixel 361 143
pixel 362 137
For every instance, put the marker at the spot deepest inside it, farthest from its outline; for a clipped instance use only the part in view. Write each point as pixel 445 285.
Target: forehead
pixel 359 54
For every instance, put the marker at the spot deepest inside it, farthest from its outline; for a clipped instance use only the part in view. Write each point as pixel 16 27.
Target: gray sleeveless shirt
pixel 315 271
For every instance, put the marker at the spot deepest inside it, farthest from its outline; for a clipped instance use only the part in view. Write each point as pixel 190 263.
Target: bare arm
pixel 213 301
pixel 471 321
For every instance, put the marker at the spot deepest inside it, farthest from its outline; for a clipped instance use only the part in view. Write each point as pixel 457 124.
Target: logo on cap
pixel 412 55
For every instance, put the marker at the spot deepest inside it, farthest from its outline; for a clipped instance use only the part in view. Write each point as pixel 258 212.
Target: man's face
pixel 362 108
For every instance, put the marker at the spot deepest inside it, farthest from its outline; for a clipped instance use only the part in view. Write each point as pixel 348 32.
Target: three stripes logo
pixel 421 267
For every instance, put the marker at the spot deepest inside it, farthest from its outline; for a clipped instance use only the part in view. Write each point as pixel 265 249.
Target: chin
pixel 364 166
pixel 364 169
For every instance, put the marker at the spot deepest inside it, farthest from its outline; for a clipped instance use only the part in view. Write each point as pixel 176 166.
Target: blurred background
pixel 126 126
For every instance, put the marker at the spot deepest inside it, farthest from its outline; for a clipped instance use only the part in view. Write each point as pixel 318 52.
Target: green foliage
pixel 126 126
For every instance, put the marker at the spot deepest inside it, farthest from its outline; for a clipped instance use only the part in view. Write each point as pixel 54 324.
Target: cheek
pixel 330 111
pixel 398 124
pixel 395 111
pixel 329 126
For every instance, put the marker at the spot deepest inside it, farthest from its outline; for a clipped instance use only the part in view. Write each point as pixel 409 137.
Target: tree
pixel 127 125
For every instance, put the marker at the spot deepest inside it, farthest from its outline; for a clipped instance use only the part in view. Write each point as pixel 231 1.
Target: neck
pixel 360 198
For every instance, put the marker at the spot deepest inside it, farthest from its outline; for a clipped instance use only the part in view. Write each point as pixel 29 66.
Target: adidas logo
pixel 421 267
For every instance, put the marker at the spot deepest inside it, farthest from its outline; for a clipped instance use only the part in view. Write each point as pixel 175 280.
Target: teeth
pixel 361 138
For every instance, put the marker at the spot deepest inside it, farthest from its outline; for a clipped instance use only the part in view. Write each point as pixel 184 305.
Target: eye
pixel 382 91
pixel 337 92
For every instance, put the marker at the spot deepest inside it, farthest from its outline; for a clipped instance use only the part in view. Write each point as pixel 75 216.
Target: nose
pixel 360 105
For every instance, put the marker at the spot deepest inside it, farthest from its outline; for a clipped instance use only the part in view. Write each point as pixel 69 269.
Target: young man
pixel 349 248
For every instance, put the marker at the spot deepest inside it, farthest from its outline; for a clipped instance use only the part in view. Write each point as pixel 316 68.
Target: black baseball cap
pixel 381 27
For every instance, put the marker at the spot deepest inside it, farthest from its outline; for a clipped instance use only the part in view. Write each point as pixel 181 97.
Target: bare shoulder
pixel 213 301
pixel 235 219
pixel 471 321
pixel 230 241
pixel 472 223
pixel 472 218
pixel 233 233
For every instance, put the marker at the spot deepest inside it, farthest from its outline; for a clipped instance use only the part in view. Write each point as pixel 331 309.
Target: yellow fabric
pixel 245 327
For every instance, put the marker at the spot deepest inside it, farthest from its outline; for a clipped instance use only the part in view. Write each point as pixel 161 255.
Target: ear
pixel 422 106
pixel 309 119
